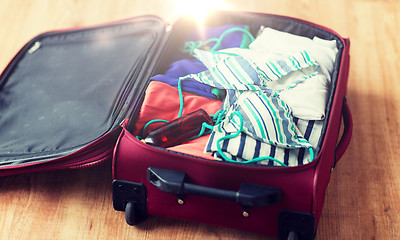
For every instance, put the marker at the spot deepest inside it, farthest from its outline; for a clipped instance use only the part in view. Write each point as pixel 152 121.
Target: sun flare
pixel 199 9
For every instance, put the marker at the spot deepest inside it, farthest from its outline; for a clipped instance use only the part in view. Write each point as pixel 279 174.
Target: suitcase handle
pixel 248 196
pixel 347 132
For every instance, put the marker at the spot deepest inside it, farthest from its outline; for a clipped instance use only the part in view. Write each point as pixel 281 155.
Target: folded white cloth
pixel 273 41
pixel 308 99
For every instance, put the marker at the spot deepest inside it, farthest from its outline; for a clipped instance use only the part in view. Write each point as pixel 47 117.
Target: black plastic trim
pixel 248 196
pixel 130 197
pixel 295 223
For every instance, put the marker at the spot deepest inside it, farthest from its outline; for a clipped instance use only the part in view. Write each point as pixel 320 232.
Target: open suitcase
pixel 276 201
pixel 72 99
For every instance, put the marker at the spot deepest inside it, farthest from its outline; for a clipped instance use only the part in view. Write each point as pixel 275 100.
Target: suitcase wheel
pixel 130 197
pixel 293 236
pixel 294 225
pixel 132 215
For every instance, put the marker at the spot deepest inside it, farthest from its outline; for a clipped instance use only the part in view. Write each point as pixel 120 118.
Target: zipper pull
pixel 122 122
pixel 35 47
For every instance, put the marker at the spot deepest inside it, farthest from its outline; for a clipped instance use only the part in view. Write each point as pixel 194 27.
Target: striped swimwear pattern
pixel 244 147
pixel 295 68
pixel 231 73
pixel 265 116
pixel 274 70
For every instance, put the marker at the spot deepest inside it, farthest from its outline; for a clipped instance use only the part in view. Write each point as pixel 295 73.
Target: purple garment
pixel 181 68
pixel 186 64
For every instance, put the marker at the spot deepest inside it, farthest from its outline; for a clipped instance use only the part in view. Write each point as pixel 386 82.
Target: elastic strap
pixel 190 46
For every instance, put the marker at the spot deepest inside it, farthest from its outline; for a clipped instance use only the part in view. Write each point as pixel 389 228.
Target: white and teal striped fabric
pixel 275 71
pixel 244 147
pixel 265 118
pixel 253 88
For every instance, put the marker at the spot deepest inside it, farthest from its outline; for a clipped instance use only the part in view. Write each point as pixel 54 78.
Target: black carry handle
pixel 248 196
pixel 347 131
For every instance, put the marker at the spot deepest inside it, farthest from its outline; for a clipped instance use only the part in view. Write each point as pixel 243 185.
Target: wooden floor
pixel 363 197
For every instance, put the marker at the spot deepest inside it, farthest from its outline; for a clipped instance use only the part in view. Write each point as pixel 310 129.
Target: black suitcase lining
pixel 66 89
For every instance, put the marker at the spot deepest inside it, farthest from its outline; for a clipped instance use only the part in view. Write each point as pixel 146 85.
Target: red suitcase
pixel 70 99
pixel 276 201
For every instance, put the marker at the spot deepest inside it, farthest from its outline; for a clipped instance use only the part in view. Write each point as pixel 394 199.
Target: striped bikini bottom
pixel 244 147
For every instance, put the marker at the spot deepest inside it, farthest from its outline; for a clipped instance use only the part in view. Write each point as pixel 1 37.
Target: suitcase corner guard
pixel 130 197
pixel 296 225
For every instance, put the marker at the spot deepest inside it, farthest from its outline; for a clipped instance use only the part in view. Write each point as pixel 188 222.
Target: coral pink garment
pixel 194 147
pixel 162 102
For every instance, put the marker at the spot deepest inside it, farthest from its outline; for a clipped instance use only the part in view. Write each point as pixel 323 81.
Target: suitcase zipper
pixel 85 157
pixel 104 156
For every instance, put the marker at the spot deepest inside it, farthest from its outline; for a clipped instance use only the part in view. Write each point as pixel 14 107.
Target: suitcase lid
pixel 66 90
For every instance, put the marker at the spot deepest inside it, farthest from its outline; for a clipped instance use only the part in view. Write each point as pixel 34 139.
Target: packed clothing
pixel 267 94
